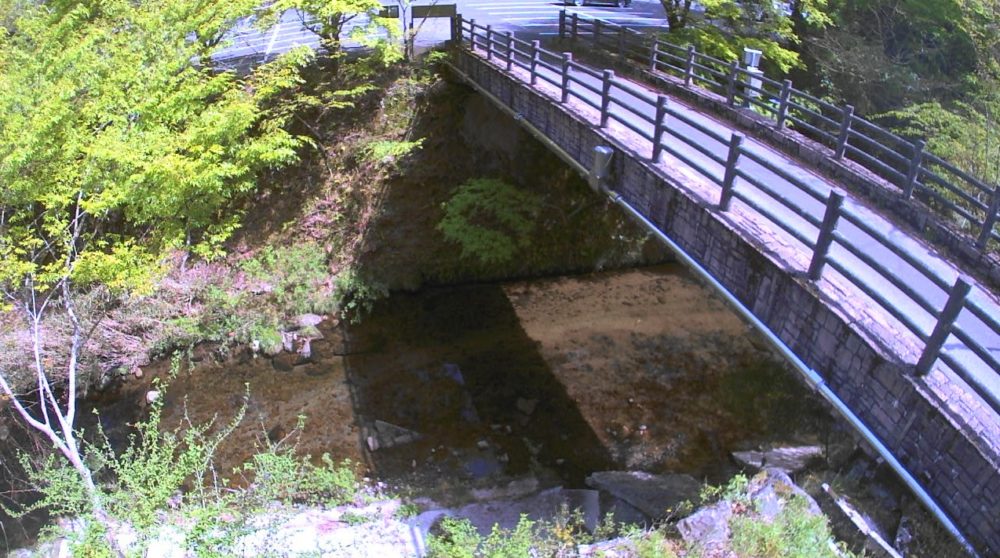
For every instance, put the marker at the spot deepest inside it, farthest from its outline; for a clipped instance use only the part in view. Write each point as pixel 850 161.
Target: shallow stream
pixel 464 385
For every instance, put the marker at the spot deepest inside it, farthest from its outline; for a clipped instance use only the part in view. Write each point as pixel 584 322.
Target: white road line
pixel 274 35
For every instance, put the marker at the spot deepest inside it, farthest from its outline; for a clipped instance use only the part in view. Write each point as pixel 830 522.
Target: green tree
pixel 722 28
pixel 329 19
pixel 885 54
pixel 115 148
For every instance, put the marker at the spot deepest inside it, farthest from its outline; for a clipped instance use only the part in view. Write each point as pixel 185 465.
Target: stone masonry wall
pixel 960 471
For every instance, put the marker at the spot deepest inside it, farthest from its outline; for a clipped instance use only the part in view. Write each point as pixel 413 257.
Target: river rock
pixel 288 341
pixel 789 459
pixel 544 505
pixel 304 352
pixel 284 362
pixel 307 320
pixel 384 435
pixel 526 406
pixel 622 547
pixel 152 396
pixel 772 488
pixel 768 492
pixel 653 495
pixel 708 527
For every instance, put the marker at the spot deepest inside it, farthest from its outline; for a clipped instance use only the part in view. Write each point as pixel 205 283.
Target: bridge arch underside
pixel 920 420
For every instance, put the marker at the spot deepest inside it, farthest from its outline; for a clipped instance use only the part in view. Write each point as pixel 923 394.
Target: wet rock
pixel 384 435
pixel 789 459
pixel 304 352
pixel 310 332
pixel 271 349
pixel 653 495
pixel 622 511
pixel 152 396
pixel 517 488
pixel 284 362
pixel 526 406
pixel 542 506
pixel 708 527
pixel 288 341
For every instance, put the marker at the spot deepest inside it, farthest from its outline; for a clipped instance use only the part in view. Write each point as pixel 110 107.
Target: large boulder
pixel 654 495
pixel 790 459
pixel 764 497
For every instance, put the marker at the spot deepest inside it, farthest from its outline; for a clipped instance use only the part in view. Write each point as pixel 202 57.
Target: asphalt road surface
pixel 525 18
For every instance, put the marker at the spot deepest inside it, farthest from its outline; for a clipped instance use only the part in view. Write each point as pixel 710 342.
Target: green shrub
pixel 389 151
pixel 297 276
pixel 278 474
pixel 794 533
pixel 357 296
pixel 490 219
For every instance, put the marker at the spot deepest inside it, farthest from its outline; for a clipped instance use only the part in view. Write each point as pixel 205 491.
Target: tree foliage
pixel 108 129
pixel 722 28
pixel 490 219
pixel 883 54
pixel 331 19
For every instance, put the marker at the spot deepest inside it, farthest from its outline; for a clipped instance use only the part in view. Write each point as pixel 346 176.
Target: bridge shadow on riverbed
pixel 454 368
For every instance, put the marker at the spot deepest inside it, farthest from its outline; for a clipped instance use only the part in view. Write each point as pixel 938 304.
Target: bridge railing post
pixel 786 92
pixel 456 30
pixel 990 221
pixel 489 42
pixel 509 46
pixel 689 66
pixel 942 329
pixel 562 24
pixel 606 97
pixel 534 61
pixel 825 238
pixel 731 86
pixel 729 179
pixel 654 55
pixel 575 28
pixel 913 171
pixel 472 34
pixel 567 60
pixel 659 127
pixel 845 131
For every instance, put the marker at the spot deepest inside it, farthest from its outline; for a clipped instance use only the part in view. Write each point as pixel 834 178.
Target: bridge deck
pixel 878 278
pixel 786 229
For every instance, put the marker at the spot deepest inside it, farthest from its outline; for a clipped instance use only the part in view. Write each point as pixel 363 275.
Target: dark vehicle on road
pixel 619 3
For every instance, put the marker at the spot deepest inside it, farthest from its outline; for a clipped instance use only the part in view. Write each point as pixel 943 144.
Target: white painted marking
pixel 274 35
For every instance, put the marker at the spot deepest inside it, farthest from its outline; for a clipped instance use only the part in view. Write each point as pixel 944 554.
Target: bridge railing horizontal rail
pixel 939 185
pixel 944 309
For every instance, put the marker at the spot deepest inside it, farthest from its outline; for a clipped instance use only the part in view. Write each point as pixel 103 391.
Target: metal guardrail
pixel 919 174
pixel 621 101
